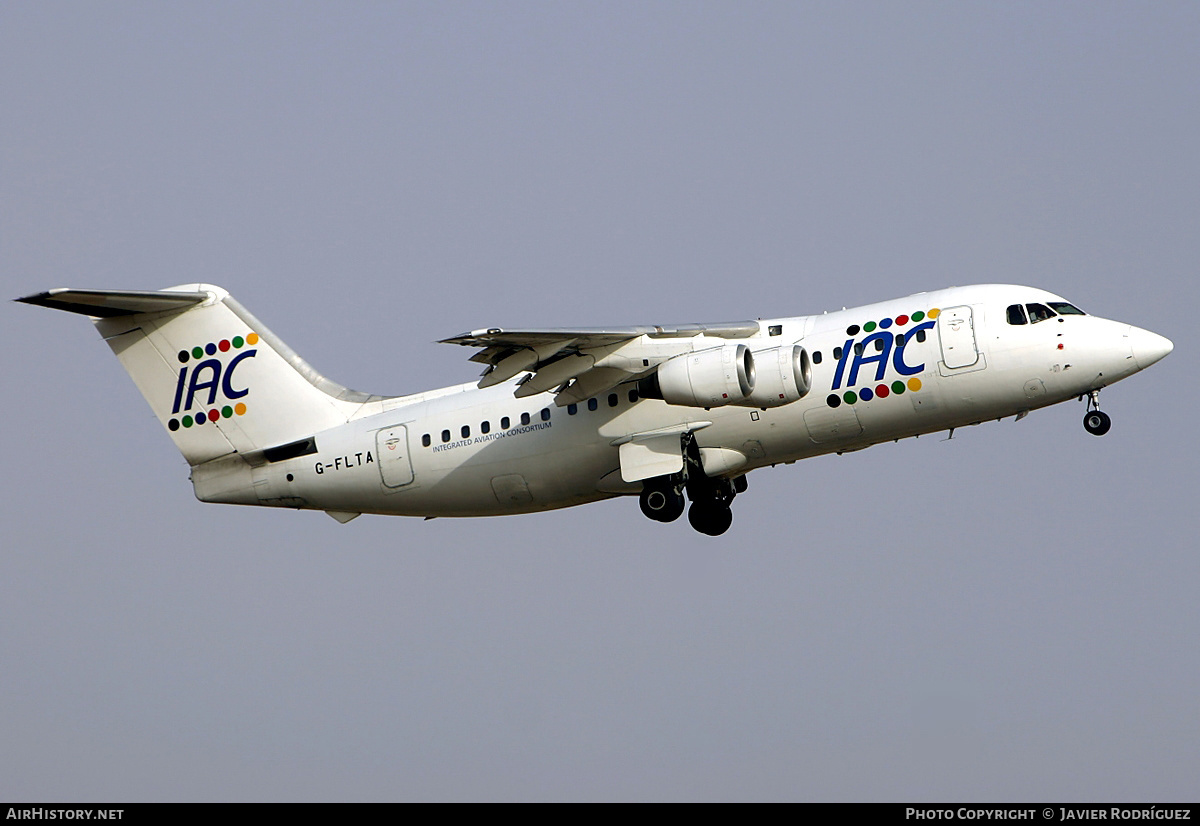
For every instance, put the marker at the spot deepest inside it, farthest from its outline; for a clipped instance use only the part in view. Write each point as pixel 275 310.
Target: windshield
pixel 1063 308
pixel 1039 312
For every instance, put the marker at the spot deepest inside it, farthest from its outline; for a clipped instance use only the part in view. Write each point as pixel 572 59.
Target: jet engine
pixel 707 378
pixel 784 374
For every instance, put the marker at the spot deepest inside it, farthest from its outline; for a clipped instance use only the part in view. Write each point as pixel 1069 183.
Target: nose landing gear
pixel 1094 421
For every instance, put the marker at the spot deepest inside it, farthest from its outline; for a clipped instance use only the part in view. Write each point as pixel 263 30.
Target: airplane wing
pixel 583 362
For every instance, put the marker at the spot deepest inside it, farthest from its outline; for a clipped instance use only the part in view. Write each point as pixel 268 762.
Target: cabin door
pixel 391 446
pixel 956 329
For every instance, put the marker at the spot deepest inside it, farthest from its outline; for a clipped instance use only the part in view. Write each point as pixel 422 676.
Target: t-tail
pixel 225 389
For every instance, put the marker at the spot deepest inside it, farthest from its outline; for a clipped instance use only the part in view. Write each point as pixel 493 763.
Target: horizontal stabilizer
pixel 112 303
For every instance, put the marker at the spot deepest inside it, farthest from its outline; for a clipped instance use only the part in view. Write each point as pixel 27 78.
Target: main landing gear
pixel 1094 421
pixel 710 513
pixel 662 497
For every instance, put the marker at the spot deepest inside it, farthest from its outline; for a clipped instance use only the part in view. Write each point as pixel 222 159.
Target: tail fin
pixel 217 379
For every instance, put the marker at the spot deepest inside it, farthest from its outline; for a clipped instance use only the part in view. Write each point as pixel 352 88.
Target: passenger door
pixel 391 446
pixel 956 330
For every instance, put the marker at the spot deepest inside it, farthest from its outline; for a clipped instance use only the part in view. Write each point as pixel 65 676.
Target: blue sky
pixel 1005 616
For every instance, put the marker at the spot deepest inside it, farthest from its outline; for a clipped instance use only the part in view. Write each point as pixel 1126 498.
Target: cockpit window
pixel 1063 308
pixel 1016 314
pixel 1039 312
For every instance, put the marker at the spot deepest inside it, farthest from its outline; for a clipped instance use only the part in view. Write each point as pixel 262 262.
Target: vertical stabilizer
pixel 218 381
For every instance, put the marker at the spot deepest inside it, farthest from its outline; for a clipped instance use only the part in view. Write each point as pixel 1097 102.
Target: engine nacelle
pixel 784 374
pixel 707 378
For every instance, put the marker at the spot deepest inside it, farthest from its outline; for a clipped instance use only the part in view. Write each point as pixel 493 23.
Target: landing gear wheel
pixel 710 518
pixel 1096 423
pixel 662 504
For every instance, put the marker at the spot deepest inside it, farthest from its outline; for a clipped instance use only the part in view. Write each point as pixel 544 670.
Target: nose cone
pixel 1148 347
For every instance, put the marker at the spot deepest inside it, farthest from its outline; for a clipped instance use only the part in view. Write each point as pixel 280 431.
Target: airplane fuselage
pixel 926 363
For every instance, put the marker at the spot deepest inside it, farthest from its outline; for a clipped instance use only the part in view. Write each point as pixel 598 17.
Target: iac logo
pixel 889 340
pixel 205 375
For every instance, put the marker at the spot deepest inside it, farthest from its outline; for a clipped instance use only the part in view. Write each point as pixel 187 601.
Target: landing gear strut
pixel 1094 421
pixel 662 497
pixel 711 497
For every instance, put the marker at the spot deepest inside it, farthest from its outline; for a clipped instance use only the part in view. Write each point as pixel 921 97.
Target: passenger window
pixel 899 339
pixel 466 431
pixel 445 435
pixel 572 409
pixel 858 349
pixel 920 335
pixel 485 427
pixel 879 344
pixel 524 418
pixel 1016 314
pixel 504 423
pixel 816 357
pixel 593 404
pixel 1039 312
pixel 425 440
pixel 1063 308
pixel 612 399
pixel 633 395
pixel 545 414
pixel 837 353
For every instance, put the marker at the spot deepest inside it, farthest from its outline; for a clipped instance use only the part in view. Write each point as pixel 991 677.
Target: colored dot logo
pixel 209 349
pixel 224 346
pixel 882 391
pixel 226 412
pixel 886 323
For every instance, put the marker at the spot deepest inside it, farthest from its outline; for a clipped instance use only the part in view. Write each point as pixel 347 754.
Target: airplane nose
pixel 1148 347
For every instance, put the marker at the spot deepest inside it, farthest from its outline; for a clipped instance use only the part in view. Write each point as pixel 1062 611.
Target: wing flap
pixel 507 367
pixel 592 383
pixel 554 374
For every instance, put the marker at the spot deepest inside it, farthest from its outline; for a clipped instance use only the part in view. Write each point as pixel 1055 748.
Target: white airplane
pixel 563 417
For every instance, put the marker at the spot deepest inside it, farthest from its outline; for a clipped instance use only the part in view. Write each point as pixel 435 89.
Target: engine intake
pixel 707 378
pixel 784 375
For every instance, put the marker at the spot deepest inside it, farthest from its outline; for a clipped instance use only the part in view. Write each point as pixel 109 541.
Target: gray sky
pixel 1006 616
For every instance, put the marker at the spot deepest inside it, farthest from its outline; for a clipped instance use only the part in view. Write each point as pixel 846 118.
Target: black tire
pixel 662 504
pixel 1096 423
pixel 710 519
